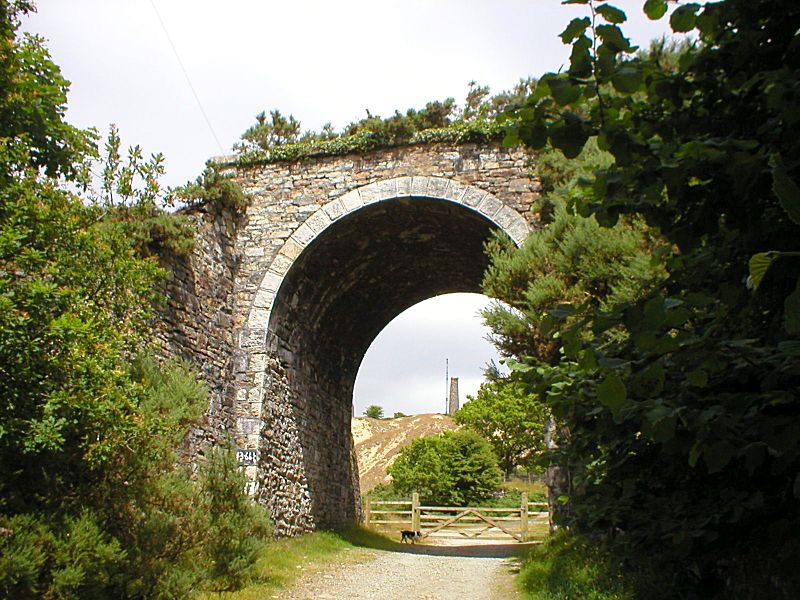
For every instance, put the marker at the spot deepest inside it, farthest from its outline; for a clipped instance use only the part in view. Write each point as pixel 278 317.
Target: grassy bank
pixel 568 567
pixel 285 560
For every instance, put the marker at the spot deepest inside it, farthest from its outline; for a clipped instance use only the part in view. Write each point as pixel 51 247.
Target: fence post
pixel 368 511
pixel 415 511
pixel 523 516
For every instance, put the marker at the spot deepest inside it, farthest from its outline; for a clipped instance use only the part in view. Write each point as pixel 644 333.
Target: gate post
pixel 367 510
pixel 523 516
pixel 415 511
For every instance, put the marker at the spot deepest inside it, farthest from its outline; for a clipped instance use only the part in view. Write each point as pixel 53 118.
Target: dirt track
pixel 419 572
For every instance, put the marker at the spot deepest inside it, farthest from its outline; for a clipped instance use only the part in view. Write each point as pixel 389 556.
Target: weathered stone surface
pixel 278 306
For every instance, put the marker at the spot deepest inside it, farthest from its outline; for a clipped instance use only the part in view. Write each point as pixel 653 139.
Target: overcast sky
pixel 187 77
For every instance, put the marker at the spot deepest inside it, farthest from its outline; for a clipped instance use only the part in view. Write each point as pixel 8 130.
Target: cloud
pixel 404 369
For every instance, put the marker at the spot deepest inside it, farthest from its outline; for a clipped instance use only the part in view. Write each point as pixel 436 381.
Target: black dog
pixel 411 536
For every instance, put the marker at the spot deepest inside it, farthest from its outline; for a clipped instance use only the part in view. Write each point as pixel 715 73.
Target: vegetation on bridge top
pixel 278 138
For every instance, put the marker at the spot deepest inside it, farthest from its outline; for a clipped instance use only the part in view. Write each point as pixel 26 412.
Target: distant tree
pixel 510 418
pixel 374 411
pixel 453 468
pixel 398 415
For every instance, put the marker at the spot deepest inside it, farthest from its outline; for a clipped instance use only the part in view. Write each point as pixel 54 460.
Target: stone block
pixel 403 186
pixel 473 196
pixel 334 209
pixel 318 221
pixel 489 205
pixel 437 187
pixel 387 189
pixel 369 194
pixel 455 191
pixel 264 298
pixel 518 232
pixel 352 201
pixel 303 235
pixel 271 282
pixel 291 249
pixel 419 186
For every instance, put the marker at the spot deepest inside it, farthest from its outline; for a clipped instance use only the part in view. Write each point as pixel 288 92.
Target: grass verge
pixel 569 567
pixel 285 560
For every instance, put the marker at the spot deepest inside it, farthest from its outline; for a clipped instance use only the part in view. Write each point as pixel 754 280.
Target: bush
pixel 374 411
pixel 237 526
pixel 453 468
pixel 74 559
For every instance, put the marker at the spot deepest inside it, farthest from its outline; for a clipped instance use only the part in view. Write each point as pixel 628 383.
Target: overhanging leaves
pixel 786 190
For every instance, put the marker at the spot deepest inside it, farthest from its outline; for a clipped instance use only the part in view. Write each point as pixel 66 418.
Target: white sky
pixel 321 61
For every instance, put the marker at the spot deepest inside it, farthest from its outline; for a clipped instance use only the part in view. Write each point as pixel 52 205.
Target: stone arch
pixel 439 188
pixel 277 420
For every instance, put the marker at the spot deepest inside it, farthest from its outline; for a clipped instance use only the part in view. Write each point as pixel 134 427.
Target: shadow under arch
pixel 331 298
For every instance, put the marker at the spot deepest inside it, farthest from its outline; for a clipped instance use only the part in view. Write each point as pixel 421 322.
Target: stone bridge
pixel 278 305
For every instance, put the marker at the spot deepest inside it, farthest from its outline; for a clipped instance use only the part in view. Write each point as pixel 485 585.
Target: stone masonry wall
pixel 196 323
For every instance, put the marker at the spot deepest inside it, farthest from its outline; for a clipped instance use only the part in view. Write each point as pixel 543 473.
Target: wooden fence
pixel 527 522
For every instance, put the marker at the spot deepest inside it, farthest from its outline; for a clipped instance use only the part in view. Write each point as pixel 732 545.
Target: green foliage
pixel 569 267
pixel 131 200
pixel 373 411
pixel 510 418
pixel 277 131
pixel 454 468
pixel 94 500
pixel 677 405
pixel 279 139
pixel 399 415
pixel 77 559
pixel 33 97
pixel 570 566
pixel 73 299
pixel 238 527
pixel 212 189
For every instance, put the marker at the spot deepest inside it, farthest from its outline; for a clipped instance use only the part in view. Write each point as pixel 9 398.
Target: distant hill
pixel 378 441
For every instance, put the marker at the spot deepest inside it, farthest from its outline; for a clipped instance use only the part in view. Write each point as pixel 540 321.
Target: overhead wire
pixel 186 75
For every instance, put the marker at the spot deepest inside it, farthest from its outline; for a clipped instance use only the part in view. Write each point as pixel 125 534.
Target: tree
pixel 454 468
pixel 512 420
pixel 94 499
pixel 693 401
pixel 373 411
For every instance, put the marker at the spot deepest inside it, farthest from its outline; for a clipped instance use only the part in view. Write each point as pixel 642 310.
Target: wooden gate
pixel 527 522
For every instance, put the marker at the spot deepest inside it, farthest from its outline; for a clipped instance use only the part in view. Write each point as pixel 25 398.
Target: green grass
pixel 568 567
pixel 285 560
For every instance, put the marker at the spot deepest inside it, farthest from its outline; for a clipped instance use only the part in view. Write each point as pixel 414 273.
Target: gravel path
pixel 419 573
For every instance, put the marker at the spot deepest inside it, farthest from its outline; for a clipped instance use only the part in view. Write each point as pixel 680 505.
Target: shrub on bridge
pixel 454 468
